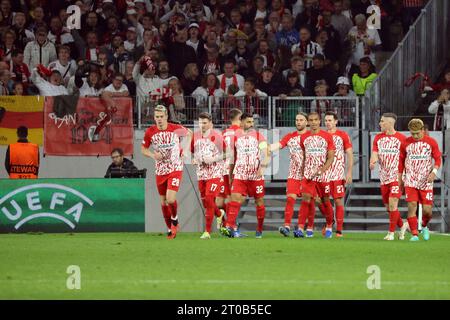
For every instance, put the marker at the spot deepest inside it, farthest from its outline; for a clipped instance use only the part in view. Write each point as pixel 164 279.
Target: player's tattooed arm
pixel 373 160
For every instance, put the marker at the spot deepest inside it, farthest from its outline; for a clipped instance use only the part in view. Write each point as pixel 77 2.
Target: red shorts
pixel 337 189
pixel 251 188
pixel 209 187
pixel 169 181
pixel 224 187
pixel 391 190
pixel 421 196
pixel 294 186
pixel 316 189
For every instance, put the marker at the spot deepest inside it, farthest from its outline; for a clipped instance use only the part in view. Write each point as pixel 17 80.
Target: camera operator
pixel 120 167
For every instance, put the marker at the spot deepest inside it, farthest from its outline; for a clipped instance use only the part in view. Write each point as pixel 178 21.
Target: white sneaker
pixel 205 235
pixel 219 219
pixel 389 236
pixel 401 233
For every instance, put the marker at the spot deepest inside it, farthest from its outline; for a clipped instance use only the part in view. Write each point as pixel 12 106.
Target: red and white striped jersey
pixel 342 143
pixel 416 161
pixel 211 146
pixel 292 140
pixel 315 147
pixel 248 155
pixel 167 142
pixel 388 148
pixel 412 3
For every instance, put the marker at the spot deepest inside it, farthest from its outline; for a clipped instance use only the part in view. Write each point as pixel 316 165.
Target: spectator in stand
pixel 88 82
pixel 363 79
pixel 320 72
pixel 131 42
pixel 343 108
pixel 363 43
pixel 341 22
pixel 53 87
pixel 5 82
pixel 164 72
pixel 230 77
pixel 92 22
pixel 120 167
pixel 261 11
pixel 129 80
pixel 445 84
pixel 333 47
pixel 441 108
pixel 191 79
pixel 253 99
pixel 105 70
pixel 269 83
pixel 309 16
pixel 287 36
pixel 37 20
pixel 148 42
pixel 178 52
pixel 23 35
pixel 256 69
pixel 177 104
pixel 195 41
pixel 264 52
pixel 259 34
pixel 7 46
pixel 306 48
pixel 18 89
pixel 58 34
pixel 39 51
pixel 321 106
pixel 241 54
pixel 117 88
pixel 297 65
pixel 65 65
pixel 211 63
pixel 292 83
pixel 20 71
pixel 144 75
pixel 274 25
pixel 89 49
pixel 209 88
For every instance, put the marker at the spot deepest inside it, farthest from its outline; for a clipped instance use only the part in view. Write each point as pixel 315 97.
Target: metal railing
pixel 424 49
pixel 269 112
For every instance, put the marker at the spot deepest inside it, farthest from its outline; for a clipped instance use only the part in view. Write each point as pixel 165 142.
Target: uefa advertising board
pixel 72 205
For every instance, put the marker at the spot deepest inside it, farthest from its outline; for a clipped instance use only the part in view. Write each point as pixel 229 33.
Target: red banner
pixel 68 132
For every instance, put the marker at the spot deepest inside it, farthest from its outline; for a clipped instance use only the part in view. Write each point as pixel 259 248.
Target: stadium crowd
pixel 193 48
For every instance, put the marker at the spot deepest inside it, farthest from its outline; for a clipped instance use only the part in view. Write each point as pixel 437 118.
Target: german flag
pixel 16 111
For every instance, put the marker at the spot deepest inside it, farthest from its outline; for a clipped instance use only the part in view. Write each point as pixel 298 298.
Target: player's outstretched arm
pixel 275 147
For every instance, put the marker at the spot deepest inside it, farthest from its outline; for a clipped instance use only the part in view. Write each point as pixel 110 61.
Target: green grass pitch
pixel 148 266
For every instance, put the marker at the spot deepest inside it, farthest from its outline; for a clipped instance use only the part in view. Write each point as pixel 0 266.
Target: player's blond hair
pixel 415 125
pixel 161 108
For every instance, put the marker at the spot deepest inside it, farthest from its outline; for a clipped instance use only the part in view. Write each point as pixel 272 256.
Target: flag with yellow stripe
pixel 16 111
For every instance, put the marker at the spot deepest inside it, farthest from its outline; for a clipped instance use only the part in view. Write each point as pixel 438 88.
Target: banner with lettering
pixel 16 111
pixel 72 205
pixel 69 124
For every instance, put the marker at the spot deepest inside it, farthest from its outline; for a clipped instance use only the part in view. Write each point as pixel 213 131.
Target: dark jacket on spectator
pixel 127 165
pixel 313 75
pixel 272 88
pixel 179 55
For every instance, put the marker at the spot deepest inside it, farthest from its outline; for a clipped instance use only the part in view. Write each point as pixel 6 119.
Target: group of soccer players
pixel 230 165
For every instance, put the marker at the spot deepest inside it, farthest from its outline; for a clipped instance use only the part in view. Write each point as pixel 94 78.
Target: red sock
pixel 399 221
pixel 413 225
pixel 311 214
pixel 425 220
pixel 166 215
pixel 392 221
pixel 339 218
pixel 289 211
pixel 233 211
pixel 216 211
pixel 173 209
pixel 260 215
pixel 209 215
pixel 303 213
pixel 329 214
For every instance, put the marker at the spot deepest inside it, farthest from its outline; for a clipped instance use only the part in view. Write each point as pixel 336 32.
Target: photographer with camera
pixel 120 167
